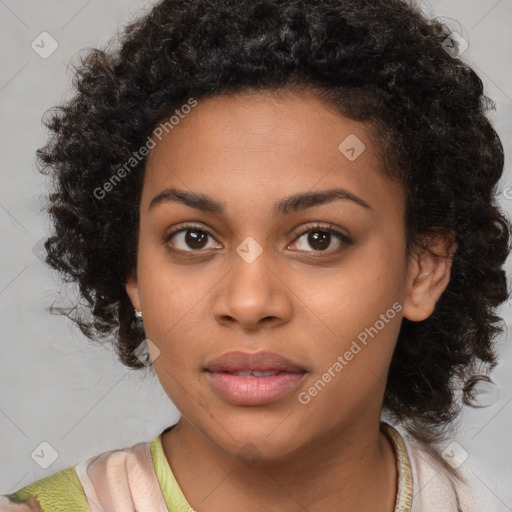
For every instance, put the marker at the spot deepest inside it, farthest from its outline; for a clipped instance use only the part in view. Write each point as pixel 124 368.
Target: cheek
pixel 354 295
pixel 174 299
pixel 359 306
pixel 166 289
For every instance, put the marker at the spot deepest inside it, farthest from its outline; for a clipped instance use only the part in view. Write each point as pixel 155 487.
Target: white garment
pixel 435 489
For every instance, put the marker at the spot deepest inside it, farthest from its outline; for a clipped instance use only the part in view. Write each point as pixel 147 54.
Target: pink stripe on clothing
pixel 121 481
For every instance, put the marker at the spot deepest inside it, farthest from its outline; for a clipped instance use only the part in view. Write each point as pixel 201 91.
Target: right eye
pixel 189 238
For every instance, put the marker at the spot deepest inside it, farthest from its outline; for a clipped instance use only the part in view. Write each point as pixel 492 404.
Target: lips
pixel 259 362
pixel 253 379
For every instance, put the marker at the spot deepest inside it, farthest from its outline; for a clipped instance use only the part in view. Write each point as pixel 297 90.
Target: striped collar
pixel 405 489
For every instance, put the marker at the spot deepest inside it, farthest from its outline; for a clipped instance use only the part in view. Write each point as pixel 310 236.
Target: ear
pixel 132 289
pixel 428 277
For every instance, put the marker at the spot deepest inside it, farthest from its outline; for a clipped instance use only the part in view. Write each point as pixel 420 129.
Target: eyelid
pixel 184 226
pixel 330 228
pixel 324 227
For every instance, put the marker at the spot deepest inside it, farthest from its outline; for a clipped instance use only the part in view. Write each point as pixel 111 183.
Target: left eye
pixel 321 238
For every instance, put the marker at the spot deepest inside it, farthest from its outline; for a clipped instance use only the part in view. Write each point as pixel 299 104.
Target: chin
pixel 258 439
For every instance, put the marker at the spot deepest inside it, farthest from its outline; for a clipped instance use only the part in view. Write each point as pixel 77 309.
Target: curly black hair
pixel 379 61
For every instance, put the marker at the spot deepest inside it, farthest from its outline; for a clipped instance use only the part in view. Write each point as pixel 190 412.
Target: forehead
pixel 248 148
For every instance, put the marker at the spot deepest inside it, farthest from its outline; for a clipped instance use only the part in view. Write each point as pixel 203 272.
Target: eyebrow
pixel 284 206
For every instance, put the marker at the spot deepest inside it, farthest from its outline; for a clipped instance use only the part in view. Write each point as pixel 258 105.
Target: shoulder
pixel 121 480
pixel 439 488
pixel 60 492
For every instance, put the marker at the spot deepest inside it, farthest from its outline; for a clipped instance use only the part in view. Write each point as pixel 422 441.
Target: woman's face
pixel 245 185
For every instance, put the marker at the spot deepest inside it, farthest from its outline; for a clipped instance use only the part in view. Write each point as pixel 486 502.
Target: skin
pixel 302 300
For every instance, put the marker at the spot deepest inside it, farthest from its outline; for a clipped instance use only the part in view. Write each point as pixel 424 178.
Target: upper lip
pixel 259 361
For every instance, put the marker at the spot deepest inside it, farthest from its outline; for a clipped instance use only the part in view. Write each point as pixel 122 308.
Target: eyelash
pixel 322 228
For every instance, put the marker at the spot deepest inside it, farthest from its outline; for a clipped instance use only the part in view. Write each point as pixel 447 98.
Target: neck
pixel 353 470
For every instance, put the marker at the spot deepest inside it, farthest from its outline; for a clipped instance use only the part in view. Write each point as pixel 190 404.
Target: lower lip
pixel 249 390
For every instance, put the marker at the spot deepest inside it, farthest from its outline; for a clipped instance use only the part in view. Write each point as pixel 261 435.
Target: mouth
pixel 253 379
pixel 256 373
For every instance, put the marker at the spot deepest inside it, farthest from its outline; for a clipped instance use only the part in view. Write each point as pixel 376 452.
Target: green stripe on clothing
pixel 60 492
pixel 174 498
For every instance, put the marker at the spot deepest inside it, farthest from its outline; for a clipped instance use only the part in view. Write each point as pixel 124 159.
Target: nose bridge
pixel 252 292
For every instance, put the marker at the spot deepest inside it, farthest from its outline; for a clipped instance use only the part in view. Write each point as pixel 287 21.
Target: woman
pixel 290 206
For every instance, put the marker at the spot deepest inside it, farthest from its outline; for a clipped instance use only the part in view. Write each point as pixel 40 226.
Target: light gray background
pixel 57 387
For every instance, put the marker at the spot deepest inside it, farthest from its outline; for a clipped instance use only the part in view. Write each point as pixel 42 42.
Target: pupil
pixel 320 238
pixel 195 239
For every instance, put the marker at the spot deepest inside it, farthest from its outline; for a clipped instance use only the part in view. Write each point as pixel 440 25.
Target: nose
pixel 253 295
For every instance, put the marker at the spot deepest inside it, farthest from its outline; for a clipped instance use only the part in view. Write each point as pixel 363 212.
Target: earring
pixel 142 351
pixel 137 322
